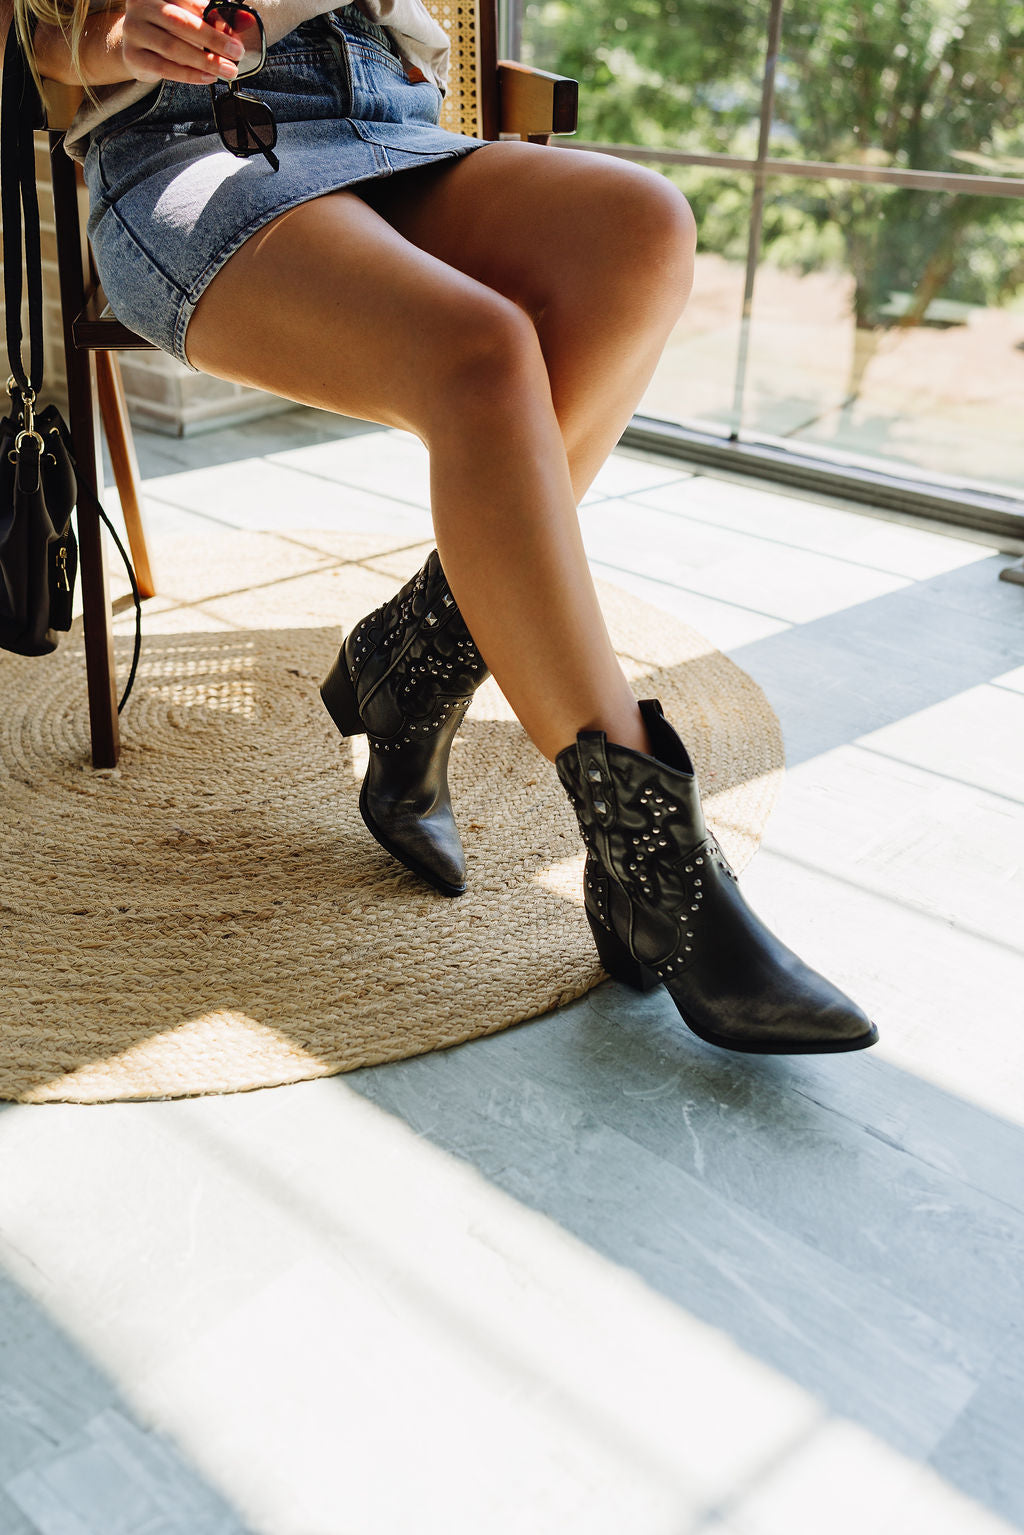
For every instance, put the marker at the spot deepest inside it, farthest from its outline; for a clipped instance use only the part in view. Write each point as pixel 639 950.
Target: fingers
pixel 168 40
pixel 146 65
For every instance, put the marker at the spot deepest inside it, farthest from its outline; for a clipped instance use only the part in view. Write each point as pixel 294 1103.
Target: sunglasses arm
pixel 268 154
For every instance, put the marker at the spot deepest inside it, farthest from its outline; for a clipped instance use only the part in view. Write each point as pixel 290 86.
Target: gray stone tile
pixel 647 542
pixel 759 1215
pixel 119 1480
pixel 47 1386
pixel 417 1297
pixel 82 1491
pixel 280 498
pixel 1013 681
pixel 779 516
pixel 873 664
pixel 72 1461
pixel 981 1453
pixel 844 1479
pixel 946 1001
pixel 727 625
pixel 976 593
pixel 391 464
pixel 932 842
pixel 410 1416
pixel 629 473
pixel 797 586
pixel 947 736
pixel 296 429
pixel 12 1520
pixel 130 1152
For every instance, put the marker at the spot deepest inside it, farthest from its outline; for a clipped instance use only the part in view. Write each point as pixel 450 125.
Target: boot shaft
pixel 413 659
pixel 639 815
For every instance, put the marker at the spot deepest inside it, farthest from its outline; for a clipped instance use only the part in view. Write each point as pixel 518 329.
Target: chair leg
pixel 99 643
pixel 83 419
pixel 118 430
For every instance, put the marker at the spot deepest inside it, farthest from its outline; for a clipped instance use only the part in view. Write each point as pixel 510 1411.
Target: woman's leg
pixel 599 254
pixel 339 309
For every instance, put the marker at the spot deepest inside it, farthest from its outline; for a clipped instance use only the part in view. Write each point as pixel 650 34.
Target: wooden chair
pixel 486 98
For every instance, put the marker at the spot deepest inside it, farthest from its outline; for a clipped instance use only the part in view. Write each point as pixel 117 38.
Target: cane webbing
pixel 462 110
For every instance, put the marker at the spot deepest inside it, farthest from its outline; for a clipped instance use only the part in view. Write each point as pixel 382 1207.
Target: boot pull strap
pixel 595 775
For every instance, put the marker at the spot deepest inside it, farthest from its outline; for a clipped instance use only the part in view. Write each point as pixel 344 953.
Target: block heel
pixel 618 961
pixel 339 696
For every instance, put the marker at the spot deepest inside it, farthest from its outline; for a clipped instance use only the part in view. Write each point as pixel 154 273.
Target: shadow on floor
pixel 850 1225
pixel 73 1453
pixel 837 678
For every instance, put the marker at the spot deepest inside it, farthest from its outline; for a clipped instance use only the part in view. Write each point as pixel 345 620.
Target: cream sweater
pixel 419 38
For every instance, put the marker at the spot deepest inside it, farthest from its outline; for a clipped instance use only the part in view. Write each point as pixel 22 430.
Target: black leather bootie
pixel 405 677
pixel 664 905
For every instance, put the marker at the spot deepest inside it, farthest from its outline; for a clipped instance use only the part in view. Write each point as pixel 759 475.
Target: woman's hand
pixel 169 40
pixel 148 40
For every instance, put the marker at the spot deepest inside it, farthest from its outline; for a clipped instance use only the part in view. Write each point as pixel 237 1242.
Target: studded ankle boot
pixel 405 677
pixel 664 905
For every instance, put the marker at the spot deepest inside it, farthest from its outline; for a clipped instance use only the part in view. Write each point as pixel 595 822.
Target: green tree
pixel 934 85
pixel 657 72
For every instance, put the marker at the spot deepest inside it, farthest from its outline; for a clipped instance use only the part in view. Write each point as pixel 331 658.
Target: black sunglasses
pixel 246 125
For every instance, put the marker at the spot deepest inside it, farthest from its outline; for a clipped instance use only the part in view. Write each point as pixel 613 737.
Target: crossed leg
pixel 509 310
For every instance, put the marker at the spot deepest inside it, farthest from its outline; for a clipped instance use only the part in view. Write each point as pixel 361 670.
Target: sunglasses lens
pixel 245 27
pixel 246 125
pixel 247 30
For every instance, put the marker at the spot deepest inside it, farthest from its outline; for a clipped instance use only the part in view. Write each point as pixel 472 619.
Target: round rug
pixel 212 915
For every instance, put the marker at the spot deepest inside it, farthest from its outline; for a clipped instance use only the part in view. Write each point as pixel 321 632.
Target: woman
pixel 507 304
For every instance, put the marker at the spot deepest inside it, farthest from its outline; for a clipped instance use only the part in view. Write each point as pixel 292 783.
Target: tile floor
pixel 590 1275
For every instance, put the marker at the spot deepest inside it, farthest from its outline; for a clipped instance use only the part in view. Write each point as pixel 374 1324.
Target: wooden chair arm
pixel 96 329
pixel 534 103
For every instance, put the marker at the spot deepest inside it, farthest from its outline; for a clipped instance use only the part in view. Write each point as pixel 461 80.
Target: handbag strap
pixel 86 495
pixel 20 114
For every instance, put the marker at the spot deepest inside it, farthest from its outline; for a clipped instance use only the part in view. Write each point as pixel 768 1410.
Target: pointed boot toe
pixel 749 992
pixel 425 840
pixel 664 906
pixel 742 988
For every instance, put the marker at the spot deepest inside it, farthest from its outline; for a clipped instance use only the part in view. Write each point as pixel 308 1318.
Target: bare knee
pixel 489 357
pixel 665 232
pixel 652 239
pixel 634 245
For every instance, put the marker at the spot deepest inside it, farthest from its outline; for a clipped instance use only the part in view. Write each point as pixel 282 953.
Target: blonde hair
pixel 69 16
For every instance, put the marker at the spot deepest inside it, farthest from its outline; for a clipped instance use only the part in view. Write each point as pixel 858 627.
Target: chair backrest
pixel 471 103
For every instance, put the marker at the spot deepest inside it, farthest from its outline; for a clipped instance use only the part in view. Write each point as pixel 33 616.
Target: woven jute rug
pixel 212 916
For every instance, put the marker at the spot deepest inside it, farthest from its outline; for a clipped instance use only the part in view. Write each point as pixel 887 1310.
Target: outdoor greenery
pixel 934 85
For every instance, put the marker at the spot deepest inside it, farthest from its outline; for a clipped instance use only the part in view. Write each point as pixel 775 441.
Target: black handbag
pixel 39 487
pixel 38 549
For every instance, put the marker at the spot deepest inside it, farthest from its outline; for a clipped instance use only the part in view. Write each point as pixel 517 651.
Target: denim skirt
pixel 169 204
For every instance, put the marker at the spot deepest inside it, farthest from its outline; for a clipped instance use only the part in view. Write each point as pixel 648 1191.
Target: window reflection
pixel 888 312
pixel 923 84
